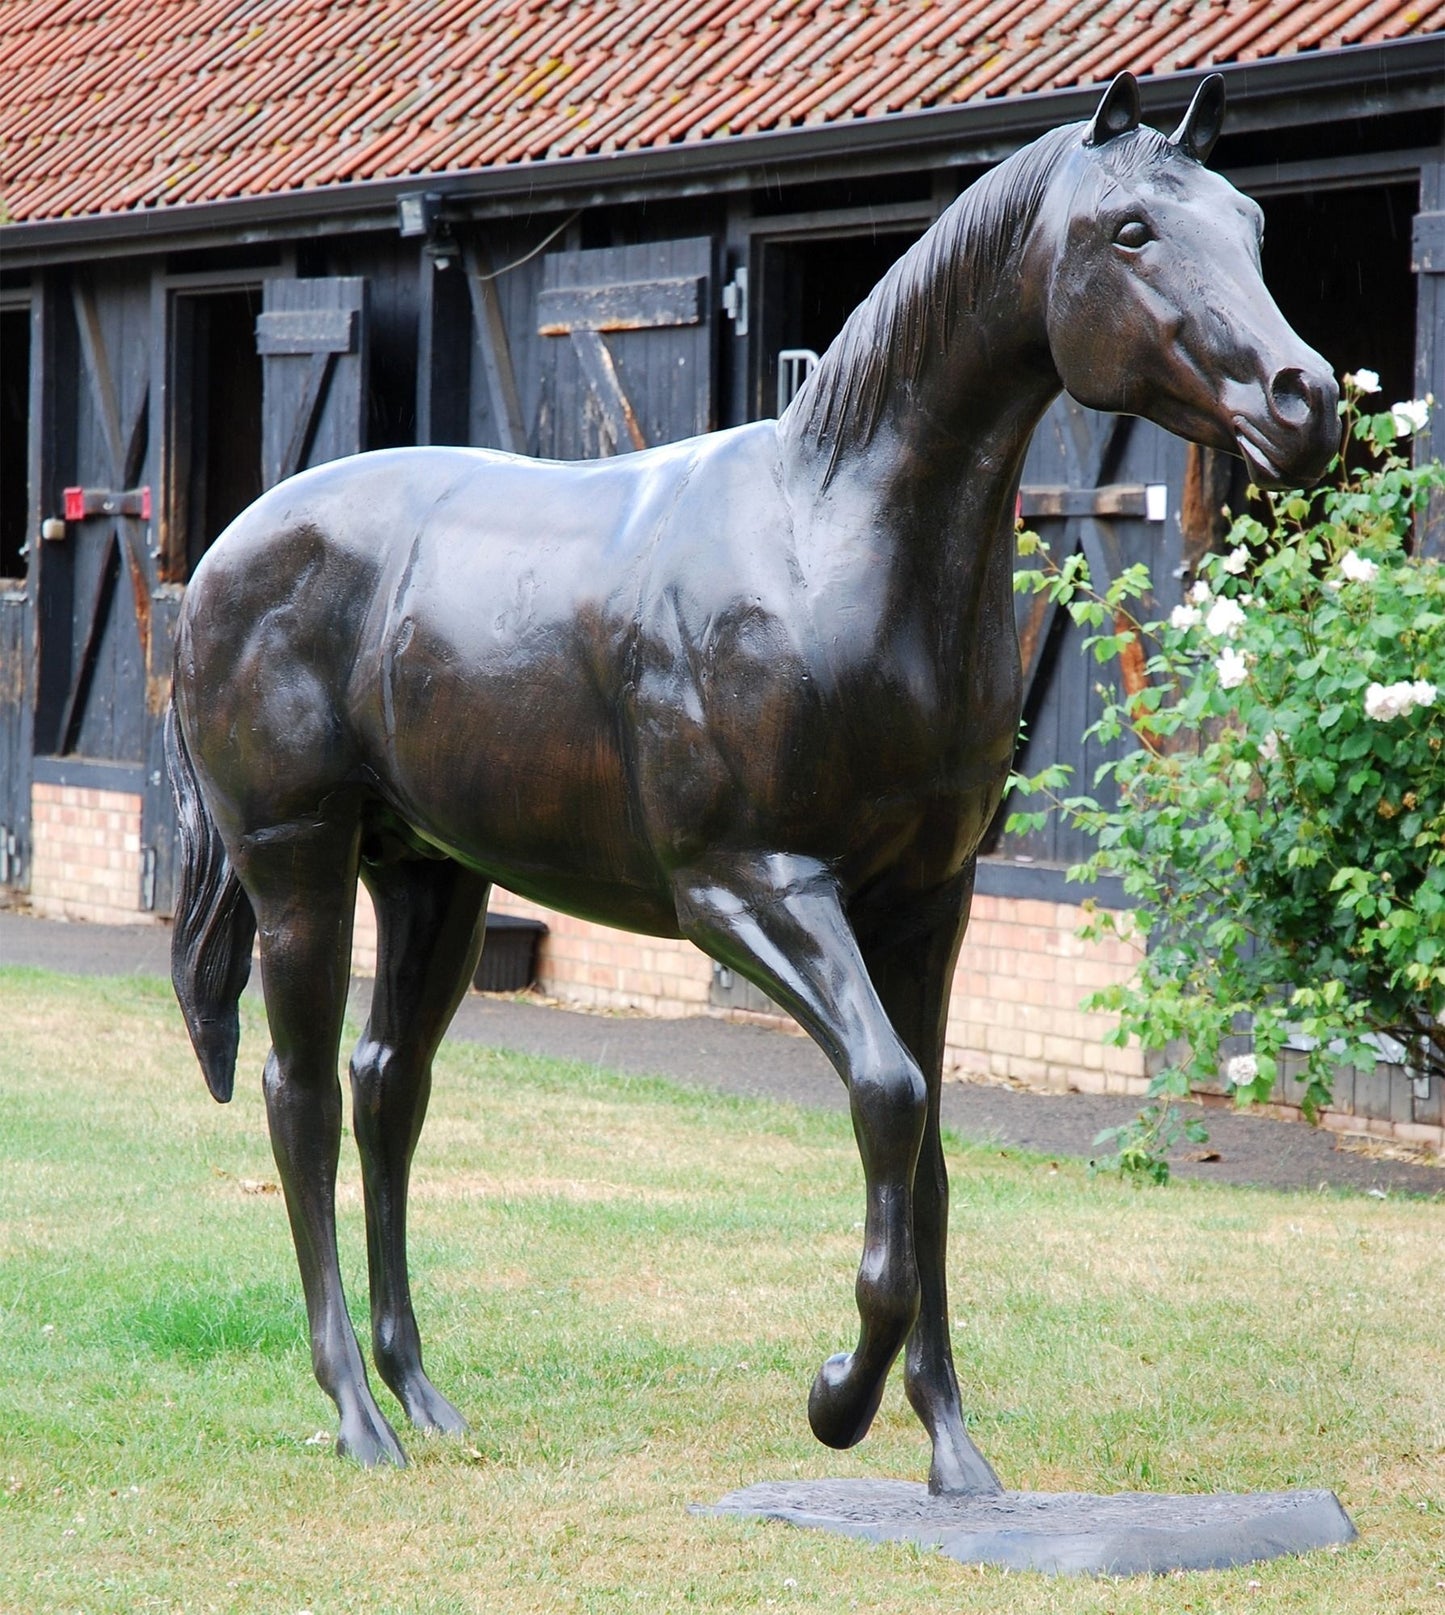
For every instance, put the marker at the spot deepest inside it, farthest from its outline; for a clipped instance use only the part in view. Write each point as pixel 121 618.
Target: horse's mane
pixel 911 313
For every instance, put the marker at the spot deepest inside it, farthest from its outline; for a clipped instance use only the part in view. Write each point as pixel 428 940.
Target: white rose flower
pixel 1235 562
pixel 1357 569
pixel 1199 595
pixel 1225 619
pixel 1241 1070
pixel 1381 703
pixel 1185 617
pixel 1386 701
pixel 1412 414
pixel 1232 669
pixel 1365 381
pixel 1269 747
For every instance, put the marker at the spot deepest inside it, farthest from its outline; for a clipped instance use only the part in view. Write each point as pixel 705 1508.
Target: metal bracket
pixel 10 861
pixel 148 879
pixel 735 301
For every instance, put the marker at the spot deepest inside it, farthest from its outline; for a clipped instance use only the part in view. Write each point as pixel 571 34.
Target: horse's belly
pixel 516 765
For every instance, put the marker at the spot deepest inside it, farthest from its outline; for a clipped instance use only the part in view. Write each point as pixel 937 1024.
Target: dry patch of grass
pixel 628 1288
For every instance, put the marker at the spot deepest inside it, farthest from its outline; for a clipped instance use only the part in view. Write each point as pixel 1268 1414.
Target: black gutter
pixel 1360 81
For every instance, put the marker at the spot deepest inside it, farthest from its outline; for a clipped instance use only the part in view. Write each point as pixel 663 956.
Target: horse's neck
pixel 935 479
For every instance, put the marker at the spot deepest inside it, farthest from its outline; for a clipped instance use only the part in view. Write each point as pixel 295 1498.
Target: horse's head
pixel 1156 306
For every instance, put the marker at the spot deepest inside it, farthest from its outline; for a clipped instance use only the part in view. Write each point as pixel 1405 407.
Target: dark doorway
pixel 1338 263
pixel 809 288
pixel 217 424
pixel 14 439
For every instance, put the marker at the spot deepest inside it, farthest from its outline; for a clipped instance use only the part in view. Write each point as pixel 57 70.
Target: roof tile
pixel 118 104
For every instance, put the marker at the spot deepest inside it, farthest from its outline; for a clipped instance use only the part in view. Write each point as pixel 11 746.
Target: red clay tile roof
pixel 110 105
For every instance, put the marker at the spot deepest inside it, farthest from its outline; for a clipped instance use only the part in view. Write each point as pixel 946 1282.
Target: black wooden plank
pixel 443 359
pixel 315 398
pixel 640 305
pixel 1427 244
pixel 104 706
pixel 95 621
pixel 661 372
pixel 601 372
pixel 1430 343
pixel 496 351
pixel 1116 499
pixel 104 398
pixel 306 402
pixel 306 330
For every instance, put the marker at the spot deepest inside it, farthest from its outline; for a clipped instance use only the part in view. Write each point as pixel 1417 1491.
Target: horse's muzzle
pixel 1290 441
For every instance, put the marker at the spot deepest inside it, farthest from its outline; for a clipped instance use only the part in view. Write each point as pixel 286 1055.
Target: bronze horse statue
pixel 759 689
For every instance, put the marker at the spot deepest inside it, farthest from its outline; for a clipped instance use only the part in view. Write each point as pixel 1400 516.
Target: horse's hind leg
pixel 779 920
pixel 301 879
pixel 910 958
pixel 429 916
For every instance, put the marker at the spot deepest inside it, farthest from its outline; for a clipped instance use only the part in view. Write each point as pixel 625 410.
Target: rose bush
pixel 1280 819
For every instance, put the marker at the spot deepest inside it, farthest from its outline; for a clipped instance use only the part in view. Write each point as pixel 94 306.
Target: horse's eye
pixel 1133 233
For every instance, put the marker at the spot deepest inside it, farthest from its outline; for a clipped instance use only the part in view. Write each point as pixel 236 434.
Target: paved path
pixel 753 1061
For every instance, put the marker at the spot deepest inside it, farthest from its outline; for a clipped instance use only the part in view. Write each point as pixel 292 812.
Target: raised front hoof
pixel 967 1473
pixel 842 1403
pixel 367 1439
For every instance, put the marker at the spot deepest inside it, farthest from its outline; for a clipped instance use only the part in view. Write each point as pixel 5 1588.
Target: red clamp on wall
pixel 83 503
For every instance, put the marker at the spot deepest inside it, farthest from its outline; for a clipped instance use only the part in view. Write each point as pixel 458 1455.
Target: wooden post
pixel 444 353
pixel 1428 261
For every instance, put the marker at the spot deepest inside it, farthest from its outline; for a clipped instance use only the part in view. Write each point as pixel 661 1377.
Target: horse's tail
pixel 213 927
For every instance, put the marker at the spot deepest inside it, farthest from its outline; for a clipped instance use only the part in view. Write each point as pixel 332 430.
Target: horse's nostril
pixel 1291 398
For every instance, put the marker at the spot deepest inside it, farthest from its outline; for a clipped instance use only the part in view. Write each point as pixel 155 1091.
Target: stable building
pixel 240 241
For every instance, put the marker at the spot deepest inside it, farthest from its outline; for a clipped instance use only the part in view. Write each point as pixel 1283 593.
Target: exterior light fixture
pixel 419 217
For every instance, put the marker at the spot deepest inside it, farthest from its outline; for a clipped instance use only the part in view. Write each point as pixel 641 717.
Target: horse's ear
pixel 1199 128
pixel 1118 112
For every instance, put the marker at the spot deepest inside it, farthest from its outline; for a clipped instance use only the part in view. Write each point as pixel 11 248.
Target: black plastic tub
pixel 509 955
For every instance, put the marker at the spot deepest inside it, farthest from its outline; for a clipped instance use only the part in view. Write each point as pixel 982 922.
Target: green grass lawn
pixel 627 1287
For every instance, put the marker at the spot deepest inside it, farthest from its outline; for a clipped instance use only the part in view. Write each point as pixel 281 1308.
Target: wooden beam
pixel 95 631
pixel 443 354
pixel 638 305
pixel 491 329
pixel 601 373
pixel 1429 265
pixel 1115 499
pixel 97 364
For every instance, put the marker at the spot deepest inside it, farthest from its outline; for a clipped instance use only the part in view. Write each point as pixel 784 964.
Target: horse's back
pixel 450 629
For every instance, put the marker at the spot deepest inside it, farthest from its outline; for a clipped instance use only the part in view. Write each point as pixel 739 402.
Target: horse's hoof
pixel 430 1411
pixel 962 1474
pixel 839 1409
pixel 369 1442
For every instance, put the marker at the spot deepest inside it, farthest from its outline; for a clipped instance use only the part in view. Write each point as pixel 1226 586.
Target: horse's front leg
pixel 910 954
pixel 779 920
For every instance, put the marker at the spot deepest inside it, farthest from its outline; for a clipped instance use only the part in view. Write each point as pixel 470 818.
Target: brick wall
pixel 86 862
pixel 592 965
pixel 586 964
pixel 1014 1012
